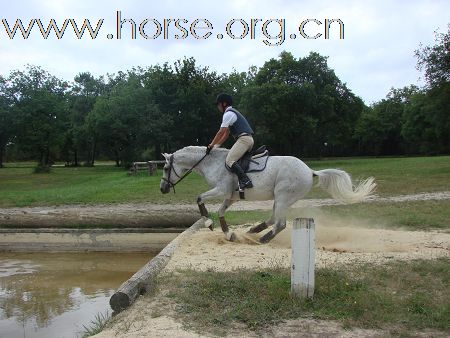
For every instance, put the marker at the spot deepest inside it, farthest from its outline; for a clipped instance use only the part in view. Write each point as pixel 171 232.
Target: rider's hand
pixel 208 149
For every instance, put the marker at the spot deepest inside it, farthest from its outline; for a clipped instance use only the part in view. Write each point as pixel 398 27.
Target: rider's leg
pixel 242 145
pixel 244 180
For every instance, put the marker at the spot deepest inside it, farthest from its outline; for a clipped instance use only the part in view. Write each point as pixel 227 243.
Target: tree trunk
pixel 116 155
pixel 47 156
pixel 41 157
pixel 157 151
pixel 2 148
pixel 94 146
pixel 75 157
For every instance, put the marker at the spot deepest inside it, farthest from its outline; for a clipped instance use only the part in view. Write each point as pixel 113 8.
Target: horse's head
pixel 172 172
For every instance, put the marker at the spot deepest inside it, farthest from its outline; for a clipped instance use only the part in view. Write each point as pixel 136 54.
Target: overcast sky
pixel 377 51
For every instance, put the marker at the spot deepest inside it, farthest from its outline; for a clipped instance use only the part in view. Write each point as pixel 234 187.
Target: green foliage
pixel 436 59
pixel 301 100
pixel 426 127
pixel 96 325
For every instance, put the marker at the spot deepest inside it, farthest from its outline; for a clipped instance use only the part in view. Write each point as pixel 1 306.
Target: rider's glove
pixel 208 149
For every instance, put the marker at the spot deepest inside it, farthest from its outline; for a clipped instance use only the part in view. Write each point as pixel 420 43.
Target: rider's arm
pixel 220 137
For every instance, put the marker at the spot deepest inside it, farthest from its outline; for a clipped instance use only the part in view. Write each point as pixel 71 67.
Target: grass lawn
pixel 108 184
pixel 401 297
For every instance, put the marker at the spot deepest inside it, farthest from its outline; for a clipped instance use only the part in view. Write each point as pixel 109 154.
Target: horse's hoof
pixel 267 238
pixel 209 224
pixel 257 228
pixel 231 236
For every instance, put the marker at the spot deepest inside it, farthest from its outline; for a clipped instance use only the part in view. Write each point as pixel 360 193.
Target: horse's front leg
pixel 223 224
pixel 215 192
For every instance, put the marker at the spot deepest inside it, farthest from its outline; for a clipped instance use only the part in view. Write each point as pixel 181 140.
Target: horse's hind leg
pixel 280 216
pixel 271 234
pixel 223 224
pixel 264 225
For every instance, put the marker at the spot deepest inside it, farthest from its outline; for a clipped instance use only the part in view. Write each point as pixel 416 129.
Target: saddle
pixel 254 160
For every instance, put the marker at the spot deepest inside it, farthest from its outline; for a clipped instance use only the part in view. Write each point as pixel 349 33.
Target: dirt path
pixel 267 205
pixel 145 214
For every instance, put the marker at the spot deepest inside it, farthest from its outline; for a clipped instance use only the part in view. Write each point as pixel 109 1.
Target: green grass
pixel 96 325
pixel 401 297
pixel 420 215
pixel 394 176
pixel 108 184
pixel 102 184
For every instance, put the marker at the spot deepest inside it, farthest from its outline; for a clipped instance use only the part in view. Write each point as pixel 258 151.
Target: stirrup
pixel 247 184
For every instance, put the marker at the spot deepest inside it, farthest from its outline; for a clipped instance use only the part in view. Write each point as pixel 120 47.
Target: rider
pixel 235 123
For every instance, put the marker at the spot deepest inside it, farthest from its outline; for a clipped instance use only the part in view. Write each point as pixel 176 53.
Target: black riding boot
pixel 244 181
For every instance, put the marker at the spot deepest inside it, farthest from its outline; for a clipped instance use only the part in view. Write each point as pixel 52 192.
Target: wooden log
pixel 144 215
pixel 143 280
pixel 303 257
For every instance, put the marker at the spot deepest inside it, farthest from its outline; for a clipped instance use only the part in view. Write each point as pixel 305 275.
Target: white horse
pixel 285 180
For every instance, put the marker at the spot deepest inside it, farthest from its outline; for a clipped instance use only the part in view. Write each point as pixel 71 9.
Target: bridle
pixel 171 168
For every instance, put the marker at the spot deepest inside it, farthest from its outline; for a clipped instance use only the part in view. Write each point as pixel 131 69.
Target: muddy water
pixel 55 294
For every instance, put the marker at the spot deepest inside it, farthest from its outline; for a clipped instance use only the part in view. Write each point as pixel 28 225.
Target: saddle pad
pixel 257 164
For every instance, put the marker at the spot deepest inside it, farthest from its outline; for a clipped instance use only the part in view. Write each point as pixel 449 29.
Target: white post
pixel 303 257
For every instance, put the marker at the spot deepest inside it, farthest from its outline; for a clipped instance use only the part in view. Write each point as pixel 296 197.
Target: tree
pixel 7 120
pixel 436 59
pixel 378 130
pixel 303 100
pixel 183 96
pixel 81 99
pixel 427 122
pixel 41 111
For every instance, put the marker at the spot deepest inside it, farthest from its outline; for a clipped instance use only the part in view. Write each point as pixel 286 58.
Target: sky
pixel 375 53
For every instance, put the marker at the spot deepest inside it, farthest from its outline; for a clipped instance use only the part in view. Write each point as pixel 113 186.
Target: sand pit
pixel 335 244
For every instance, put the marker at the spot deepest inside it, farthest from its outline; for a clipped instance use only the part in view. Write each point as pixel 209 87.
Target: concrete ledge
pixel 124 240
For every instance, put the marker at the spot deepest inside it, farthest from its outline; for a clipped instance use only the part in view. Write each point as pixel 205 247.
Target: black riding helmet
pixel 224 98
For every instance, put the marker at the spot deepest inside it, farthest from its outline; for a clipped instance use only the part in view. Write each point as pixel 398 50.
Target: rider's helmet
pixel 224 98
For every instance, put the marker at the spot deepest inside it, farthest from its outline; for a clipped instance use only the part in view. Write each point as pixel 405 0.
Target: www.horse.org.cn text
pixel 271 32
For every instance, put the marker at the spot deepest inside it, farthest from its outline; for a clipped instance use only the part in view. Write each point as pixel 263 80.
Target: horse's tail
pixel 339 185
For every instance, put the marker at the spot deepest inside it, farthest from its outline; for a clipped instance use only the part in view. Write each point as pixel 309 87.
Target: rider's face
pixel 220 106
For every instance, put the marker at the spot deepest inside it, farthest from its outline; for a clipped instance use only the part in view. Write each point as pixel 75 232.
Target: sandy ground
pixel 207 250
pixel 335 244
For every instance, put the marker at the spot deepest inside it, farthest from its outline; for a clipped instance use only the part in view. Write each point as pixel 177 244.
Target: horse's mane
pixel 201 150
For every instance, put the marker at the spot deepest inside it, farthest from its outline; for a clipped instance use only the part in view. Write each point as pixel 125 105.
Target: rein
pixel 171 168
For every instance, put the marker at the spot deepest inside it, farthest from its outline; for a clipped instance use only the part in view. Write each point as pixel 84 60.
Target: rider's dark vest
pixel 240 126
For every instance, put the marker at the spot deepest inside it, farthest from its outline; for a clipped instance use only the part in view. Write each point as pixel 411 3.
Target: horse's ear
pixel 165 155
